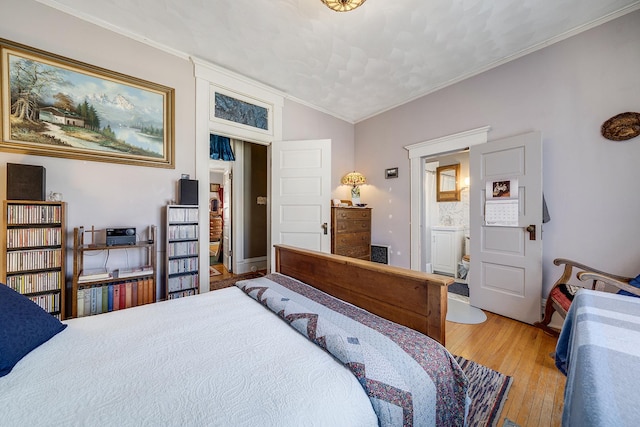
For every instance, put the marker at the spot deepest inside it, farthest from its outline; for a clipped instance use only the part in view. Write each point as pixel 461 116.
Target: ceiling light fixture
pixel 342 5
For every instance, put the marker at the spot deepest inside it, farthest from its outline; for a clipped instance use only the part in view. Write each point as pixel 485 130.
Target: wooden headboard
pixel 411 298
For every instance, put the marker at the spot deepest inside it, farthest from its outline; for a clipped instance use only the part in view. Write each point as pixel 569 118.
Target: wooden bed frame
pixel 411 298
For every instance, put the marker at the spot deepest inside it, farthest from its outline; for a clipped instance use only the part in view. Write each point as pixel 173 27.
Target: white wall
pixel 302 122
pixel 97 193
pixel 107 194
pixel 566 91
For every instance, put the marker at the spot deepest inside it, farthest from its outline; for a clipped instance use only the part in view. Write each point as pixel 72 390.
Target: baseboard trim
pixel 251 265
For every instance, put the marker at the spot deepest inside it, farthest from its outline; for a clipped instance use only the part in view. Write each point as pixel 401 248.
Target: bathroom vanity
pixel 447 248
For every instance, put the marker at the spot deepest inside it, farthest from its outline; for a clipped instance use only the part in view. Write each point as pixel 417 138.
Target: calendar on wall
pixel 501 205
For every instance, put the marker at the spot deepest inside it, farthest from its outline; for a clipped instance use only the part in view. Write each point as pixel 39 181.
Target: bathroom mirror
pixel 448 188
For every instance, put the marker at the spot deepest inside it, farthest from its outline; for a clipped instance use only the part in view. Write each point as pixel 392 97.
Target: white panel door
pixel 301 194
pixel 505 276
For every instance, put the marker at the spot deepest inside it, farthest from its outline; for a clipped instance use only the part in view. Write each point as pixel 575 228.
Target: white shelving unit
pixel 182 276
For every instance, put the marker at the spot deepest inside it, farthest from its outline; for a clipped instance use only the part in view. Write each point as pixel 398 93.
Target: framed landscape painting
pixel 55 106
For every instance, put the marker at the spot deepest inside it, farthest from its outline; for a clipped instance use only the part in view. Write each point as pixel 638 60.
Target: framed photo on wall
pixel 59 107
pixel 391 173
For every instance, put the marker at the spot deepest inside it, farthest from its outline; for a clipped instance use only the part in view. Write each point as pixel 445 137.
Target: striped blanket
pixel 599 352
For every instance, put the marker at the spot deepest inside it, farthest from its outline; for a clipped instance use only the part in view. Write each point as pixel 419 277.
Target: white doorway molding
pixel 417 154
pixel 211 78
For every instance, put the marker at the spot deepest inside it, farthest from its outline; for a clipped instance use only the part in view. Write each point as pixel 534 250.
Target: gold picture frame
pixel 56 106
pixel 448 183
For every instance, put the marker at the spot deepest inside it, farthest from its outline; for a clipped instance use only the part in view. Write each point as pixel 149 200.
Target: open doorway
pixel 431 149
pixel 238 214
pixel 219 199
pixel 446 221
pixel 446 232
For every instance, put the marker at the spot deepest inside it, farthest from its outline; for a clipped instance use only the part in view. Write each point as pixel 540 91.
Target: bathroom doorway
pixel 446 232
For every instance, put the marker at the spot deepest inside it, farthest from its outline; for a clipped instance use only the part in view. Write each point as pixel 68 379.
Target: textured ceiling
pixel 354 64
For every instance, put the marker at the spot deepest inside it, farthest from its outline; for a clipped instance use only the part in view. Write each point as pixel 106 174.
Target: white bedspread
pixel 216 359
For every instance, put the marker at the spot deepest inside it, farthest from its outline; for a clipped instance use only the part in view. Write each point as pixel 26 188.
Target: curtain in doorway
pixel 220 148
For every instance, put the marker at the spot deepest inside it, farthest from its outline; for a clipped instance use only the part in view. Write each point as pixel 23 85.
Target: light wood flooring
pixel 224 273
pixel 523 352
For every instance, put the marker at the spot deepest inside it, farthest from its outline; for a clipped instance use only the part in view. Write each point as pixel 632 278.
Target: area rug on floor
pixel 488 391
pixel 459 289
pixel 225 283
pixel 213 272
pixel 460 311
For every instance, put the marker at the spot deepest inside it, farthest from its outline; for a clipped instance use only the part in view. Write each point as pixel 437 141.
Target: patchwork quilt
pixel 410 379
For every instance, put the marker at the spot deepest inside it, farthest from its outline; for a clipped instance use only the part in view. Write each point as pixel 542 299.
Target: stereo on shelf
pixel 121 236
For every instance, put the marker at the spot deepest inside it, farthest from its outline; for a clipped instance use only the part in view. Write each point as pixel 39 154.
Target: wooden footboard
pixel 411 298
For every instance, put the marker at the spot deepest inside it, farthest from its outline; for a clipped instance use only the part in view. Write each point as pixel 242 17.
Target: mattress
pixel 216 359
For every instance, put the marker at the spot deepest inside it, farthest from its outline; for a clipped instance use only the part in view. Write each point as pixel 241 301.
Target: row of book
pixel 183 248
pixel 29 237
pixel 34 214
pixel 182 265
pixel 182 294
pixel 180 283
pixel 177 232
pixel 115 296
pixel 183 215
pixel 35 282
pixel 49 302
pixel 35 259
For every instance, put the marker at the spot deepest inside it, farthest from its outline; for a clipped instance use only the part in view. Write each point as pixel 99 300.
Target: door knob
pixel 325 227
pixel 532 232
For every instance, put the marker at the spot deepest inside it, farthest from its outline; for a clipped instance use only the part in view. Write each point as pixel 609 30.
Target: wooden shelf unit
pixel 139 286
pixel 182 259
pixel 33 252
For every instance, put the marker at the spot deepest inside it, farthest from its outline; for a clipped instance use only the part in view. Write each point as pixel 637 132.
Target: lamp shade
pixel 342 5
pixel 354 179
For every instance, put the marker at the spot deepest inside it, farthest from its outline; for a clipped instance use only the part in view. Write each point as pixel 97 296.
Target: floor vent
pixel 380 253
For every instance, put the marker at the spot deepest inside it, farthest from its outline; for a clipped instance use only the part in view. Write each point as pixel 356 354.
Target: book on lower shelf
pixel 112 296
pixel 88 275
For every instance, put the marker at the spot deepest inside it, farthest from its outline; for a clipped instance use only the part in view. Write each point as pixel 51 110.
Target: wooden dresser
pixel 351 232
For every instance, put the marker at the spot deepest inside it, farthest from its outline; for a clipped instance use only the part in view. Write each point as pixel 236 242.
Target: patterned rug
pixel 488 391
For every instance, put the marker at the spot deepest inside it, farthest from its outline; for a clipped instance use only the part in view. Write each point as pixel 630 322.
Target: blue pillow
pixel 23 327
pixel 633 282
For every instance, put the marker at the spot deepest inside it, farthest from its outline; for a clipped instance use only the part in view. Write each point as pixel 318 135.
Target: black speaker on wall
pixel 25 182
pixel 188 192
